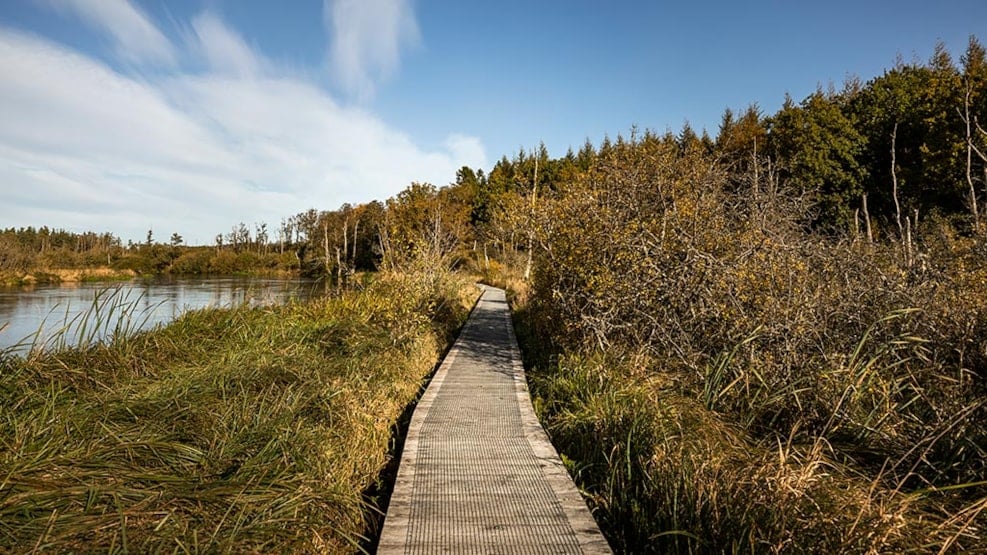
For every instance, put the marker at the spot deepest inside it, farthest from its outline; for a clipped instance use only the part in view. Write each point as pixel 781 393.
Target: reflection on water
pixel 26 310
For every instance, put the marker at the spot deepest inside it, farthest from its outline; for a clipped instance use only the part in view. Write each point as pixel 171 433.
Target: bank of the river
pixel 65 275
pixel 49 276
pixel 243 430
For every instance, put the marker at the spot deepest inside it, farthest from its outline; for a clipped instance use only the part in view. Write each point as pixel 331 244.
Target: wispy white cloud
pixel 224 49
pixel 136 38
pixel 366 40
pixel 84 146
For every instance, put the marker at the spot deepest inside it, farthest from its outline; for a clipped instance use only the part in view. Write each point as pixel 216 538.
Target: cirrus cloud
pixel 135 38
pixel 367 37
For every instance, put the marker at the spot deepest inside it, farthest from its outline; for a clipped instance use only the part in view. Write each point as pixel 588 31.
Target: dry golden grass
pixel 244 430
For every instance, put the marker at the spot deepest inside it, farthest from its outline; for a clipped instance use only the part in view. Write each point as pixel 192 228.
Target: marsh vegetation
pixel 245 429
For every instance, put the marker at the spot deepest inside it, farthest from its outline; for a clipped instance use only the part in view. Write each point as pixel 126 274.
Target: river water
pixel 34 314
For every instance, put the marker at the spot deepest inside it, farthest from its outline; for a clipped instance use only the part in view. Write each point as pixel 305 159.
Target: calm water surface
pixel 26 310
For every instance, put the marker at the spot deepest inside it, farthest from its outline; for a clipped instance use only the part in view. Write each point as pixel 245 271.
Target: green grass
pixel 245 430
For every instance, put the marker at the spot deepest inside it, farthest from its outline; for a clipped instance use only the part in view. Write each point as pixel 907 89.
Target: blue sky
pixel 190 116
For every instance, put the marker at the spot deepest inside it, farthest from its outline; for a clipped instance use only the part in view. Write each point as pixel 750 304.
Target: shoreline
pixel 55 276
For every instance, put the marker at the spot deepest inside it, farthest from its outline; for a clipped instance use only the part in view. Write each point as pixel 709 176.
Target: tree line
pixel 878 159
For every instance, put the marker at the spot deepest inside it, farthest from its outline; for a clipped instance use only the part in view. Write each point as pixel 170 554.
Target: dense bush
pixel 860 365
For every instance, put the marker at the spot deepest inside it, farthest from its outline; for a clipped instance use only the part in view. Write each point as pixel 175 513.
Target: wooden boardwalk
pixel 478 473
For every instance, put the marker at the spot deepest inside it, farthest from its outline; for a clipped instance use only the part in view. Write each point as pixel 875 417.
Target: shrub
pixel 861 363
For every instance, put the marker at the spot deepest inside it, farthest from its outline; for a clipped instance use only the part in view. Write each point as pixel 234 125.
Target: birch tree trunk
pixel 531 224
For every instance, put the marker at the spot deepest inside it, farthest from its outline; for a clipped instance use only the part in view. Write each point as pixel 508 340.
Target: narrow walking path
pixel 478 474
